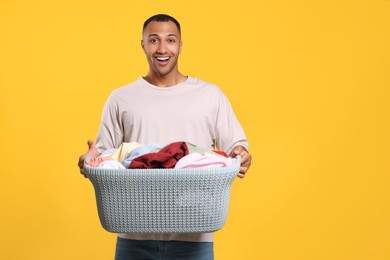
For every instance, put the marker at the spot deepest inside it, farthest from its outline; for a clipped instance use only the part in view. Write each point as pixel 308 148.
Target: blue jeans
pixel 128 249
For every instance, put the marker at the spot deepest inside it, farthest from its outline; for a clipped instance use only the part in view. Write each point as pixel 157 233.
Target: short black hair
pixel 161 18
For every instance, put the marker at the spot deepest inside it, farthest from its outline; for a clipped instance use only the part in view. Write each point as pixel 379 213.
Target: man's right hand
pixel 92 151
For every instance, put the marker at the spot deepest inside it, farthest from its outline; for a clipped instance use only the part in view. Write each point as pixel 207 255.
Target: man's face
pixel 162 45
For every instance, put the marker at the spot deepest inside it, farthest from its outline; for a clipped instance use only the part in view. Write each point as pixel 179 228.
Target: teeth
pixel 162 58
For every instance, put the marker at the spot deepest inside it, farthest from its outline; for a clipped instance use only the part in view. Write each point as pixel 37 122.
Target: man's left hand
pixel 246 159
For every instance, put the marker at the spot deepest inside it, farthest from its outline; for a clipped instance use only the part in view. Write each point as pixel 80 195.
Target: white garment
pixel 193 111
pixel 111 164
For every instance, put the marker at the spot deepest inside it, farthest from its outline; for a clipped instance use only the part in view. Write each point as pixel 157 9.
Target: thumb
pixel 90 144
pixel 92 150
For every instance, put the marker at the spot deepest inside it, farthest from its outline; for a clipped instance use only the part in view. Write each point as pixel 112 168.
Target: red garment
pixel 220 153
pixel 167 157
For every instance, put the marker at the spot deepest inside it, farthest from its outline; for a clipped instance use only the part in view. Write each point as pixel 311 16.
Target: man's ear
pixel 181 45
pixel 142 45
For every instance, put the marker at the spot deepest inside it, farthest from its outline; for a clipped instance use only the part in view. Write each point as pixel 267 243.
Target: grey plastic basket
pixel 163 200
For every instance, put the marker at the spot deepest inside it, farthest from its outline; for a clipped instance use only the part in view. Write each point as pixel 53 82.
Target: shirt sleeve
pixel 110 134
pixel 229 132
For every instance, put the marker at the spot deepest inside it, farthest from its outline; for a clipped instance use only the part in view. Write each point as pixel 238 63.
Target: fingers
pixel 246 160
pixel 81 165
pixel 82 170
pixel 92 151
pixel 237 151
pixel 242 172
pixel 81 162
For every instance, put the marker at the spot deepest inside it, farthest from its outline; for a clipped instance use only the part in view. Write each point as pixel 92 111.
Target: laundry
pixel 196 160
pixel 176 155
pixel 139 151
pixel 111 164
pixel 220 153
pixel 123 150
pixel 167 157
pixel 96 161
pixel 192 148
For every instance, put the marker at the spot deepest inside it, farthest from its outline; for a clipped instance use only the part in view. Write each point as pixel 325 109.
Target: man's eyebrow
pixel 155 34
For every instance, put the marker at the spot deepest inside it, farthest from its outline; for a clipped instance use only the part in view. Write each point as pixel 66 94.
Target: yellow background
pixel 309 81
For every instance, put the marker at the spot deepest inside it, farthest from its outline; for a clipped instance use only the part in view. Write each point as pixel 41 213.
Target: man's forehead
pixel 161 28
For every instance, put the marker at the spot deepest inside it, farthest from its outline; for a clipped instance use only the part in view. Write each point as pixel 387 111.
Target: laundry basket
pixel 163 200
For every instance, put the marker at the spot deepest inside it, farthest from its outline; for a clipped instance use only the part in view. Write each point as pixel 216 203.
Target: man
pixel 163 107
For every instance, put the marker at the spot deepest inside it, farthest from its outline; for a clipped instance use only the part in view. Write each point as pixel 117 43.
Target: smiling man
pixel 162 44
pixel 164 107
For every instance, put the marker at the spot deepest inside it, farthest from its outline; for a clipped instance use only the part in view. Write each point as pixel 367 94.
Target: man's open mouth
pixel 162 58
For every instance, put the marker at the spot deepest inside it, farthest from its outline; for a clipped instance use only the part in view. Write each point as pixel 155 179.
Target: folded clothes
pixel 167 157
pixel 196 160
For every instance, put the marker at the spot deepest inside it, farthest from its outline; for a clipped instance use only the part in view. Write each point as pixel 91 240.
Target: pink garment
pixel 208 160
pixel 96 161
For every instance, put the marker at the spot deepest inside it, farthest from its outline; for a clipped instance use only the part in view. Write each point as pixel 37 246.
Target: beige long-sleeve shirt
pixel 194 111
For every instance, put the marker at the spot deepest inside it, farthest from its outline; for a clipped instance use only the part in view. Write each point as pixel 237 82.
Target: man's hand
pixel 246 159
pixel 92 151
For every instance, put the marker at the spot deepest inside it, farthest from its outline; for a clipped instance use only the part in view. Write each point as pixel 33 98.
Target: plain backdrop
pixel 308 80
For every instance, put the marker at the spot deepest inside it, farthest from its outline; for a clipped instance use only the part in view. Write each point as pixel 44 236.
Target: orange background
pixel 309 81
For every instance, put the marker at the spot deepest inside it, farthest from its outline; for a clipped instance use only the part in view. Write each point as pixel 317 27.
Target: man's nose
pixel 162 48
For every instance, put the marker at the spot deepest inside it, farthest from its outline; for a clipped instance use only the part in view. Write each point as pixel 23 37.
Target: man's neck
pixel 165 81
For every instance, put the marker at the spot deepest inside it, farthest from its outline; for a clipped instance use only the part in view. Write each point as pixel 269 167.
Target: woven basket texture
pixel 163 200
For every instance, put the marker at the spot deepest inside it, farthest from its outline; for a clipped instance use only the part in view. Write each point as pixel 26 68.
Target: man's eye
pixel 153 40
pixel 171 41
